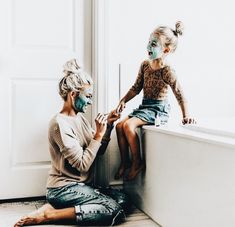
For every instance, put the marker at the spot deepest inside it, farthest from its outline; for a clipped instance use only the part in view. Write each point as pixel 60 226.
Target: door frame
pixel 100 70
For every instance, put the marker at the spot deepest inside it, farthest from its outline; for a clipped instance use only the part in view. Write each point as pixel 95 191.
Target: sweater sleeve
pixel 170 78
pixel 105 140
pixel 69 145
pixel 139 82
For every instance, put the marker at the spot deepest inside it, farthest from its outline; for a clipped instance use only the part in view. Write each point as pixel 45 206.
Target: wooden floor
pixel 10 212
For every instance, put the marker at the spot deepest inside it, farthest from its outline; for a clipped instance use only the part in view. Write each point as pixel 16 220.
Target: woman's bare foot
pixel 134 171
pixel 37 217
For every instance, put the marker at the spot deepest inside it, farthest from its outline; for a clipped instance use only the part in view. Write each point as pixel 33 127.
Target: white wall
pixel 203 60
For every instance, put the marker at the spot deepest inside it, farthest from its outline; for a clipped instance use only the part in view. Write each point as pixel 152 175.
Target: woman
pixel 73 147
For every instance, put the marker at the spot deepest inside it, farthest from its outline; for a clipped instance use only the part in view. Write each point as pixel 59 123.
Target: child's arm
pixel 122 103
pixel 135 89
pixel 170 78
pixel 186 119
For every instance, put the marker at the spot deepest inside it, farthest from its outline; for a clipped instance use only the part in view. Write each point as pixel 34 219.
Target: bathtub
pixel 215 126
pixel 190 174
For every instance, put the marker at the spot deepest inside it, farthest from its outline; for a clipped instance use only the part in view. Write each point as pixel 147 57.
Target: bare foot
pixel 37 217
pixel 45 207
pixel 134 171
pixel 120 172
pixel 30 221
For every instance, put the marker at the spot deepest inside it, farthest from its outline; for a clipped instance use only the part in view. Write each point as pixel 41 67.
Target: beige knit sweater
pixel 72 149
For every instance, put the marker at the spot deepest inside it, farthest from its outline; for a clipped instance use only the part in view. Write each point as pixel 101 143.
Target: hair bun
pixel 71 66
pixel 179 28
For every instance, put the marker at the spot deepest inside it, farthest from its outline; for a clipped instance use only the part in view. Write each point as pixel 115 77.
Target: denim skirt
pixel 151 109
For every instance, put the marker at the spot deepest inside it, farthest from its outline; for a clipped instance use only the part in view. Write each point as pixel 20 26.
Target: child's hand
pixel 113 116
pixel 121 107
pixel 188 120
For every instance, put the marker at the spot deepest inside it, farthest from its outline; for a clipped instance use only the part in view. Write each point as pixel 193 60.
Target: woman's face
pixel 83 99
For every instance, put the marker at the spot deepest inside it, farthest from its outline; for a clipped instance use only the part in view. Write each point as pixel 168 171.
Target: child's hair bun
pixel 179 28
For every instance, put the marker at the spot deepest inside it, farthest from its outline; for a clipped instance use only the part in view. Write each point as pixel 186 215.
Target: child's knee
pixel 129 127
pixel 119 127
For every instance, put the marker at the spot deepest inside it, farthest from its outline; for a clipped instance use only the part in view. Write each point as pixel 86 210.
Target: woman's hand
pixel 121 106
pixel 113 116
pixel 188 120
pixel 101 125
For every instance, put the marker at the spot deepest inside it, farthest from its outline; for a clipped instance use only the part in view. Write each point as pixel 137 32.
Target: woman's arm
pixel 112 117
pixel 105 140
pixel 64 138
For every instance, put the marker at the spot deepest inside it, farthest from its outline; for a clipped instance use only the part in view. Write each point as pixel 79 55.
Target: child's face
pixel 154 48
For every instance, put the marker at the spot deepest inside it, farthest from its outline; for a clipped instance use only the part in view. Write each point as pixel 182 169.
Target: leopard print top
pixel 155 83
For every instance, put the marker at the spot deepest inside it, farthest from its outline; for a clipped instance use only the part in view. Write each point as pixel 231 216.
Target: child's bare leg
pixel 123 147
pixel 47 214
pixel 134 143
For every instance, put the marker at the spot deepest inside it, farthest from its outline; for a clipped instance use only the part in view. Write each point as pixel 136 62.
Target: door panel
pixel 36 39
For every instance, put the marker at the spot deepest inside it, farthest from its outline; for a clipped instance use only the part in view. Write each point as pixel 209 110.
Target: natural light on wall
pixel 205 57
pixel 203 60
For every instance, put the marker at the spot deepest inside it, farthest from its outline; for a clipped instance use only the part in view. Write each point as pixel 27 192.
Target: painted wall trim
pixel 100 76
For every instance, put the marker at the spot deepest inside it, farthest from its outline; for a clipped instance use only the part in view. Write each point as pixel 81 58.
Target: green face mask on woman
pixel 82 100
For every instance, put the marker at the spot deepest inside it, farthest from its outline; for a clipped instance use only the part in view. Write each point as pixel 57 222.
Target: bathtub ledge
pixel 182 131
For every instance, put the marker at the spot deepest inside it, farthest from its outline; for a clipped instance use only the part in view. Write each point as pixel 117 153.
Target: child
pixel 154 78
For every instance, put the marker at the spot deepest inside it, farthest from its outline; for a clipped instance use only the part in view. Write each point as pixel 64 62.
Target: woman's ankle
pixel 50 215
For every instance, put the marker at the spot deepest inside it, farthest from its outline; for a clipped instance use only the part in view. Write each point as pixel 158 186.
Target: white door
pixel 37 37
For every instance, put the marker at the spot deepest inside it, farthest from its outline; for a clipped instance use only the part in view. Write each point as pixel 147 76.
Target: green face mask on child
pixel 154 49
pixel 83 100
